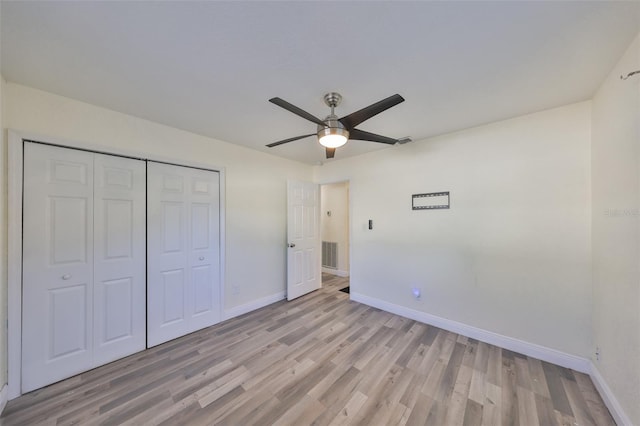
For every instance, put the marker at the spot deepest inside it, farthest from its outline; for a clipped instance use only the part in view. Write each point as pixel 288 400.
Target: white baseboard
pixel 253 305
pixel 4 396
pixel 530 349
pixel 335 272
pixel 608 397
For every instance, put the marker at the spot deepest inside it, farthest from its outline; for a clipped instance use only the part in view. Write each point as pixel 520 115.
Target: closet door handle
pixel 66 276
pixel 201 258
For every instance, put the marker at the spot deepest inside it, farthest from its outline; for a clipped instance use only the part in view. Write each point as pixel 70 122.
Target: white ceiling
pixel 210 67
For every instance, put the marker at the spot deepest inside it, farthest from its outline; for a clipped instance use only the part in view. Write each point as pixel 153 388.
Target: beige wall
pixel 511 256
pixel 335 228
pixel 616 232
pixel 255 182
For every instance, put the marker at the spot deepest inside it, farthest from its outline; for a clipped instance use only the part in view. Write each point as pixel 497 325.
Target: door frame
pixel 15 160
pixel 348 180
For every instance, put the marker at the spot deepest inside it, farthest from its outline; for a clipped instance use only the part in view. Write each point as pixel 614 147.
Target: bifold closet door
pixel 83 262
pixel 183 244
pixel 119 257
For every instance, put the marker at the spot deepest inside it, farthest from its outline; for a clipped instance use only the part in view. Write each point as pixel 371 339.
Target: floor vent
pixel 329 255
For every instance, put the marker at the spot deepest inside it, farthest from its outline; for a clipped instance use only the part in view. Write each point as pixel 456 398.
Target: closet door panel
pixel 204 247
pixel 168 276
pixel 183 259
pixel 57 300
pixel 120 257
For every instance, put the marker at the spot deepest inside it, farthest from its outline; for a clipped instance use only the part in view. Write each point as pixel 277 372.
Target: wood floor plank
pixel 477 387
pixel 577 403
pixel 432 384
pixel 409 351
pixel 412 392
pixel 448 380
pixel 305 407
pixel 588 391
pixel 220 387
pixel 421 410
pixel 458 402
pixel 538 380
pixel 527 411
pixel 350 411
pixel 558 394
pixel 320 359
pixel 377 404
pixel 492 406
pixel 494 366
pixel 509 392
pixel 389 399
pixel 544 409
pixel 473 414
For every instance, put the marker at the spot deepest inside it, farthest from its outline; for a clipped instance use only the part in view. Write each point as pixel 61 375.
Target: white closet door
pixel 57 310
pixel 183 259
pixel 84 262
pixel 119 257
pixel 204 248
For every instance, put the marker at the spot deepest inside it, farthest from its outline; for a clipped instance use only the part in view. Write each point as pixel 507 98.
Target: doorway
pixel 334 229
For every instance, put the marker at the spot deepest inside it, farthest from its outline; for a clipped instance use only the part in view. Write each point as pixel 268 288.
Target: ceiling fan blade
pixel 297 111
pixel 361 135
pixel 271 145
pixel 352 120
pixel 331 152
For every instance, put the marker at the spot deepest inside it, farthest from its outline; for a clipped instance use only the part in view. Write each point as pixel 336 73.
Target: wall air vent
pixel 329 255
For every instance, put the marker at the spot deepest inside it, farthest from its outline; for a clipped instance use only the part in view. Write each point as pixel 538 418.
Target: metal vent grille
pixel 329 255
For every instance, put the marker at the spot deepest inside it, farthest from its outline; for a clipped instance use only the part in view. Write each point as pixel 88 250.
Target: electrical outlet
pixel 417 293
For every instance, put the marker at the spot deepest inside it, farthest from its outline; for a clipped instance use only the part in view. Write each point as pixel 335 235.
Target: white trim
pixel 608 397
pixel 110 150
pixel 14 265
pixel 14 219
pixel 4 397
pixel 223 238
pixel 236 311
pixel 335 272
pixel 530 349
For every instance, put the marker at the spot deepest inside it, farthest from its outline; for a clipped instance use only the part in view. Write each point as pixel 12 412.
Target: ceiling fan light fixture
pixel 333 137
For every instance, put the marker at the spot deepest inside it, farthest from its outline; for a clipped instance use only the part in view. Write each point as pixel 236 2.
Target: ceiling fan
pixel 333 132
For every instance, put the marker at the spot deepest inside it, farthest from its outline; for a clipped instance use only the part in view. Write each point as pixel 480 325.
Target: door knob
pixel 201 258
pixel 66 276
pixel 291 245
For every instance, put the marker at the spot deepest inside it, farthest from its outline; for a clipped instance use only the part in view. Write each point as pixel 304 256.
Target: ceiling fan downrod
pixel 332 100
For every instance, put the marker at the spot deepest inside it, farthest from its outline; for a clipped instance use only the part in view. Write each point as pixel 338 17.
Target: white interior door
pixel 119 257
pixel 183 232
pixel 303 233
pixel 57 304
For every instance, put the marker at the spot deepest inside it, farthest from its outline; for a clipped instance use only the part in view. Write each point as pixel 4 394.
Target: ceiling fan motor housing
pixel 333 127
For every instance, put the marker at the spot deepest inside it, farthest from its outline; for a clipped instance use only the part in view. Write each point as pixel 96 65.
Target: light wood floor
pixel 320 359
